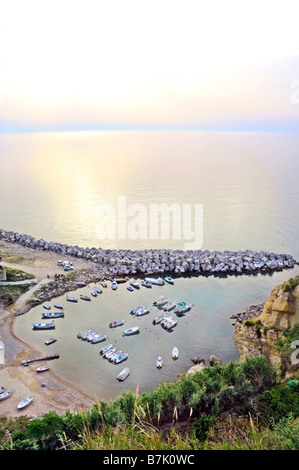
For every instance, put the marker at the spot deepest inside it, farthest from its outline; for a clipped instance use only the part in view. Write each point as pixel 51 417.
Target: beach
pixel 50 392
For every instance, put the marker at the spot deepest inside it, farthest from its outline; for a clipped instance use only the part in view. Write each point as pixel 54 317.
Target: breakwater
pixel 160 261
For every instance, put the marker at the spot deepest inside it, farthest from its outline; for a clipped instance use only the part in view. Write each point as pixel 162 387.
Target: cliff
pixel 269 334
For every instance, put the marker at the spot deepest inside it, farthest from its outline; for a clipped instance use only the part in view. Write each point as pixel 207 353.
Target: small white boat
pixel 120 358
pixel 116 323
pixel 114 285
pixel 94 293
pixel 42 369
pixel 52 315
pixel 175 353
pixel 97 290
pixel 5 395
pixel 132 331
pixel 71 299
pixel 123 374
pixel 168 323
pixel 85 297
pixel 182 308
pixel 44 326
pixel 25 403
pixel 158 319
pixel 159 362
pixel 60 306
pixel 106 349
pixel 169 306
pixel 139 311
pixel 114 356
pixel 169 280
pixel 153 280
pixel 47 306
pixel 160 301
pixel 103 284
pixel 130 288
pixel 146 284
pixel 109 353
pixel 98 338
pixel 134 283
pixel 50 341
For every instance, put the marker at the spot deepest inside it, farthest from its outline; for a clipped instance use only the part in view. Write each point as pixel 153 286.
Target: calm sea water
pixel 52 185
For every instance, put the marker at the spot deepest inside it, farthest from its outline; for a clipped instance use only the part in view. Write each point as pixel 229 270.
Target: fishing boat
pixel 47 306
pixel 5 395
pixel 85 297
pixel 146 284
pixel 123 374
pixel 52 315
pixel 60 306
pixel 130 288
pixel 160 301
pixel 94 293
pixel 134 283
pixel 114 285
pixel 175 353
pixel 42 369
pixel 153 280
pixel 132 331
pixel 122 357
pixel 44 326
pixel 158 319
pixel 25 403
pixel 116 323
pixel 168 323
pixel 139 311
pixel 106 349
pixel 71 299
pixel 169 280
pixel 182 308
pixel 84 334
pixel 169 306
pixel 159 362
pixel 50 341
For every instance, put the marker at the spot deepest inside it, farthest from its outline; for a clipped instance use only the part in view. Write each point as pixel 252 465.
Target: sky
pixel 187 64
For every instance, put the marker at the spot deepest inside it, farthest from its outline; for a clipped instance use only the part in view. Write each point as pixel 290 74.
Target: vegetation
pixel 14 275
pixel 290 284
pixel 233 406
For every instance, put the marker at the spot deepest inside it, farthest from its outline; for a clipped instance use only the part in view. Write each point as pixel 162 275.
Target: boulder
pixel 214 360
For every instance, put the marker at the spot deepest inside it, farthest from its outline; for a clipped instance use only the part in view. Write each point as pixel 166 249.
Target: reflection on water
pixel 203 331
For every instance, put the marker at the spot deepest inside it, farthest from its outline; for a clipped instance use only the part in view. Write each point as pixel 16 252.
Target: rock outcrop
pixel 263 334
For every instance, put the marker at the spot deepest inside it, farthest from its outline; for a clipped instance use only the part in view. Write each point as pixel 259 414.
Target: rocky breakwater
pixel 266 333
pixel 129 262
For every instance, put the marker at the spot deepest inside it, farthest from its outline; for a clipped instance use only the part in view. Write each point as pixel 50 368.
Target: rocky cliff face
pixel 263 334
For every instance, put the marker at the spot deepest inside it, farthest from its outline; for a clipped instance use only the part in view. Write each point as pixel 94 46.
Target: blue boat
pixel 52 315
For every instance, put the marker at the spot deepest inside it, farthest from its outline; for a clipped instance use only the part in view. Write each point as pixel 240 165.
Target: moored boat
pixel 60 306
pixel 123 374
pixel 116 323
pixel 181 308
pixel 114 356
pixel 52 315
pixel 169 306
pixel 139 311
pixel 71 299
pixel 25 403
pixel 146 284
pixel 160 301
pixel 44 326
pixel 175 353
pixel 114 285
pixel 42 369
pixel 159 362
pixel 103 284
pixel 50 341
pixel 120 358
pixel 85 297
pixel 109 353
pixel 98 338
pixel 158 319
pixel 5 395
pixel 98 290
pixel 106 349
pixel 47 306
pixel 134 283
pixel 94 293
pixel 153 280
pixel 131 331
pixel 168 279
pixel 130 288
pixel 168 323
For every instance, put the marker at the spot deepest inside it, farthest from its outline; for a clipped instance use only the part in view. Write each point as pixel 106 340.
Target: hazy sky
pixel 133 63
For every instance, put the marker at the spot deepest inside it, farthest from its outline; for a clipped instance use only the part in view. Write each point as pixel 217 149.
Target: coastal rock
pixel 196 368
pixel 214 360
pixel 197 360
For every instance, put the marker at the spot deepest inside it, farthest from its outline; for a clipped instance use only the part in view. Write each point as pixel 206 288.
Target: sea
pixel 220 190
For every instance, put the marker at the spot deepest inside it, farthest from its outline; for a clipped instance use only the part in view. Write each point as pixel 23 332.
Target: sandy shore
pixel 50 392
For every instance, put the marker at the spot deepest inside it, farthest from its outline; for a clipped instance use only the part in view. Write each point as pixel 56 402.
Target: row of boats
pixel 148 282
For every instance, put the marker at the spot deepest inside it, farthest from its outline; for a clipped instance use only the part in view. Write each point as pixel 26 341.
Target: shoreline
pixel 58 394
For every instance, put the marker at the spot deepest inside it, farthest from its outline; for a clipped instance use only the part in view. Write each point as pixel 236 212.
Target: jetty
pixel 44 358
pixel 158 262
